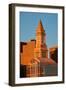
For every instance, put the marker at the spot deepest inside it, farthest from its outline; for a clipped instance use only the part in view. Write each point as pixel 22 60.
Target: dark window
pixel 44 54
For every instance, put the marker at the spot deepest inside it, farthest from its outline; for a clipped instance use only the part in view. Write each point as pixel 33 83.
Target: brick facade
pixel 34 56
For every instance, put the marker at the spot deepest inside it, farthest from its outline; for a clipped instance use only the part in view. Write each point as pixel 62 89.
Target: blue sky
pixel 29 22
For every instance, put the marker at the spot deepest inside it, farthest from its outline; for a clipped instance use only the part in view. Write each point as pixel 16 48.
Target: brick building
pixel 34 59
pixel 54 53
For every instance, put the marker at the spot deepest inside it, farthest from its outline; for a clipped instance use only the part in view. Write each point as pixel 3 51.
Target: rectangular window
pixel 44 54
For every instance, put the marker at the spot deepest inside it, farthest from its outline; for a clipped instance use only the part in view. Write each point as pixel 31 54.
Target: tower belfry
pixel 41 47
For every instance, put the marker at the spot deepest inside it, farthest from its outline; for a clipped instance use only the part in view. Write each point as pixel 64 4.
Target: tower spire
pixel 40 27
pixel 41 48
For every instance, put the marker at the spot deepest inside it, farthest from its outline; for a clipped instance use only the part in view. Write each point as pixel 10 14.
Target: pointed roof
pixel 40 27
pixel 40 24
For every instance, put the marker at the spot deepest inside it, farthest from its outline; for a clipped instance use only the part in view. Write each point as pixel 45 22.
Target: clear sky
pixel 29 22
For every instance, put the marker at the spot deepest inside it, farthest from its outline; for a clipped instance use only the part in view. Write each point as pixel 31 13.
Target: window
pixel 44 54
